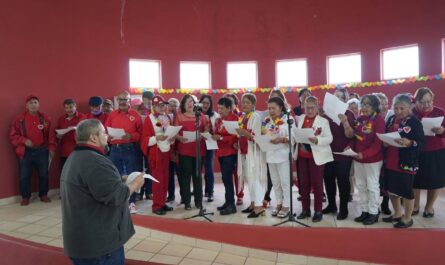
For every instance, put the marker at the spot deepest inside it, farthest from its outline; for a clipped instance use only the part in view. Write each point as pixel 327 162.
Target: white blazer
pixel 322 151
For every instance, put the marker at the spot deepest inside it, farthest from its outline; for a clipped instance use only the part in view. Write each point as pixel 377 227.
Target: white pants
pixel 256 190
pixel 367 180
pixel 279 174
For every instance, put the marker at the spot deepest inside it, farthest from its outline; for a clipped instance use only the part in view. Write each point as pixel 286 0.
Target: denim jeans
pixel 38 158
pixel 227 164
pixel 116 257
pixel 127 159
pixel 171 179
pixel 209 175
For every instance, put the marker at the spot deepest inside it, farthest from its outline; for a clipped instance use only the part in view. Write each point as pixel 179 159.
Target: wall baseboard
pixel 17 198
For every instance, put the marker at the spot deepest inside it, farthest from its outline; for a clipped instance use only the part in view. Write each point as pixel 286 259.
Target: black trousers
pixel 336 173
pixel 187 173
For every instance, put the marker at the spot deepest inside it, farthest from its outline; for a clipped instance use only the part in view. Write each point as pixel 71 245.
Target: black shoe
pixel 362 217
pixel 329 209
pixel 256 215
pixel 391 219
pixel 160 211
pixel 222 207
pixel 401 224
pixel 167 208
pixel 428 215
pixel 415 212
pixel 247 210
pixel 231 209
pixel 304 214
pixel 210 197
pixel 299 198
pixel 371 219
pixel 170 199
pixel 188 207
pixel 318 216
pixel 350 198
pixel 342 215
pixel 385 206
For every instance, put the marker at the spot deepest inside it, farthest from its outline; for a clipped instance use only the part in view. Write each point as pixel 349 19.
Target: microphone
pixel 197 105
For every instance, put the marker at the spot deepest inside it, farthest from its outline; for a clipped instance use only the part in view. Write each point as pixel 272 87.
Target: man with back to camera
pixel 96 220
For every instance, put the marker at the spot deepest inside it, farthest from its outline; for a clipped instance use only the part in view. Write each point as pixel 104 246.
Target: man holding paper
pixel 125 152
pixel 66 129
pixel 156 146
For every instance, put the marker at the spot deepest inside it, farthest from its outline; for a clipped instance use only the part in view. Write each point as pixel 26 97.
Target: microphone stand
pixel 202 211
pixel 291 213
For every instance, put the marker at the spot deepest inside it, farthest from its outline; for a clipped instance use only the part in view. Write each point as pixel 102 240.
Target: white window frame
pixel 292 60
pixel 241 62
pixel 382 70
pixel 197 62
pixel 343 55
pixel 146 60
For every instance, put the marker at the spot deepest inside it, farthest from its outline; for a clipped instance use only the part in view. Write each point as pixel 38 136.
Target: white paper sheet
pixel 264 143
pixel 389 138
pixel 430 123
pixel 66 130
pixel 332 106
pixel 115 133
pixel 133 176
pixel 231 126
pixel 302 135
pixel 347 152
pixel 172 131
pixel 190 136
pixel 210 143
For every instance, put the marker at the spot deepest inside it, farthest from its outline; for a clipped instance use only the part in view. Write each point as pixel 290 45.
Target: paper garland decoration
pixel 291 89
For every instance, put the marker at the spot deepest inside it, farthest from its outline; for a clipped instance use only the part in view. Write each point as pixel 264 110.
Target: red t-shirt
pixel 226 145
pixel 130 121
pixel 68 141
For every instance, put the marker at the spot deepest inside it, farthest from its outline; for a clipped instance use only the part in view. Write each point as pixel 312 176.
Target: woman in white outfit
pixel 275 124
pixel 251 161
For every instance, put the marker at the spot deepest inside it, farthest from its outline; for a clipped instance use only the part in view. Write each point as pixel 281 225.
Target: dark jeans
pixel 116 257
pixel 127 159
pixel 209 176
pixel 34 158
pixel 171 179
pixel 227 164
pixel 336 173
pixel 147 187
pixel 187 169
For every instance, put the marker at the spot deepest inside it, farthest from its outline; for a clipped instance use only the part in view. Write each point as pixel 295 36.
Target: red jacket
pixel 22 129
pixel 68 141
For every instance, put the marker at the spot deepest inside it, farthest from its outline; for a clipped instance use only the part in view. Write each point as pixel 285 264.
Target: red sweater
pixel 437 142
pixel 226 145
pixel 370 145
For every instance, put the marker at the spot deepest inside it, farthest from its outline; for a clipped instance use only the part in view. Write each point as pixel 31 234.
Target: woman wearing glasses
pixel 431 174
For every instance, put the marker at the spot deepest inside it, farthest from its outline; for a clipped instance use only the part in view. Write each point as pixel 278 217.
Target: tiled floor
pixel 41 223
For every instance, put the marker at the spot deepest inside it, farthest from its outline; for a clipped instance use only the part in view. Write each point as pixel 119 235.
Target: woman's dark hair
pixel 183 100
pixel 279 102
pixel 345 93
pixel 210 111
pixel 249 96
pixel 226 102
pixel 373 100
pixel 302 91
pixel 421 92
pixel 233 97
pixel 69 101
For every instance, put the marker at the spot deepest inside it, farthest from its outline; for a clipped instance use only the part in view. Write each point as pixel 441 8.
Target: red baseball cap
pixel 28 98
pixel 158 99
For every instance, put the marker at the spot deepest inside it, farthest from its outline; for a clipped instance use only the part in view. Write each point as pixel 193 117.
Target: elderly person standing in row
pixel 96 222
pixel 402 163
pixel 312 158
pixel 369 159
pixel 125 152
pixel 431 174
pixel 173 106
pixel 34 142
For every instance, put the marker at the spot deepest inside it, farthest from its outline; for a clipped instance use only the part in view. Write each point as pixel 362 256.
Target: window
pixel 145 73
pixel 194 74
pixel 344 68
pixel 242 75
pixel 400 62
pixel 291 72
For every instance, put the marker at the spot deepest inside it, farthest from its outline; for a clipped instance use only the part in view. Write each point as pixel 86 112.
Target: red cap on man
pixel 28 98
pixel 157 100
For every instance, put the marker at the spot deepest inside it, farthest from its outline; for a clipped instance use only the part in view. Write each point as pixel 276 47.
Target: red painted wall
pixel 61 49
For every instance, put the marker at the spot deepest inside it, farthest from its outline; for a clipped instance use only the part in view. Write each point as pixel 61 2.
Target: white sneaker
pixel 132 208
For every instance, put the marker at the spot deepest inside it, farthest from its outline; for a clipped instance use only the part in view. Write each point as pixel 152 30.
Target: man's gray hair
pixel 402 98
pixel 86 128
